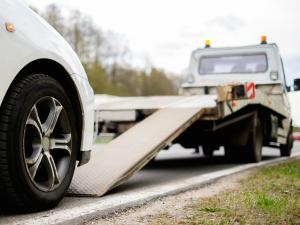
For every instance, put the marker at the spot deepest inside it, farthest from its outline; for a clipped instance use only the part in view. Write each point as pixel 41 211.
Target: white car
pixel 46 115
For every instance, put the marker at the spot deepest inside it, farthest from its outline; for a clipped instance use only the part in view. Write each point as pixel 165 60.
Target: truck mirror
pixel 297 84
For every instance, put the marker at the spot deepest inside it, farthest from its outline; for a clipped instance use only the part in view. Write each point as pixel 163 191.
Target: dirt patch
pixel 173 207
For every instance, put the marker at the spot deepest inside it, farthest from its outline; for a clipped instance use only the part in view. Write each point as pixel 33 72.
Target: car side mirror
pixel 297 84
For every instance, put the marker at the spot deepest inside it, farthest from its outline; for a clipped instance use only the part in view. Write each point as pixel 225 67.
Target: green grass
pixel 296 129
pixel 270 196
pixel 102 140
pixel 271 204
pixel 97 141
pixel 211 209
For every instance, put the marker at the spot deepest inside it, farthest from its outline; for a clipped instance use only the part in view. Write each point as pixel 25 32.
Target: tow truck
pixel 234 98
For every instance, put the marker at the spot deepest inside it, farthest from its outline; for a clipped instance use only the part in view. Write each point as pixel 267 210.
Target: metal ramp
pixel 117 161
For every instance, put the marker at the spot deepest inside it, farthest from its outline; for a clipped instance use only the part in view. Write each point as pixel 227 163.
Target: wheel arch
pixel 59 73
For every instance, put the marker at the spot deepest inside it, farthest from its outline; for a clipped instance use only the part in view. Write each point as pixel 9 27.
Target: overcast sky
pixel 167 31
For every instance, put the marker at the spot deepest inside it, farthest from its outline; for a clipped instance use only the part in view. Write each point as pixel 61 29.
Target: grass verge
pixel 270 196
pixel 296 129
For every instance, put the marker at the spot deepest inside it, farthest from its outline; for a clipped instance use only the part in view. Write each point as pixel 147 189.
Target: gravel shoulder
pixel 171 206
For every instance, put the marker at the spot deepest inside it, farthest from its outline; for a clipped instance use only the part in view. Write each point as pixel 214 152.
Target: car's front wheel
pixel 38 147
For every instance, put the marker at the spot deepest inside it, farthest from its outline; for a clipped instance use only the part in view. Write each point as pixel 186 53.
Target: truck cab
pixel 261 64
pixel 257 88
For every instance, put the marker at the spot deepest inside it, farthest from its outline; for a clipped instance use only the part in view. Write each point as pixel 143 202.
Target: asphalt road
pixel 178 163
pixel 170 166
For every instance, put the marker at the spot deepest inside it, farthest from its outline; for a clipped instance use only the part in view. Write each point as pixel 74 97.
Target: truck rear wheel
pixel 233 154
pixel 208 151
pixel 38 148
pixel 252 152
pixel 255 143
pixel 286 150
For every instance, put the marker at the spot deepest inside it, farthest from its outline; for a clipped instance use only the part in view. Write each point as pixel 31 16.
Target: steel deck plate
pixel 151 102
pixel 117 161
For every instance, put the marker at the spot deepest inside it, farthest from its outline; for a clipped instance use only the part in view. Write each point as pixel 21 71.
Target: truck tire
pixel 38 148
pixel 233 154
pixel 208 151
pixel 255 144
pixel 252 152
pixel 286 150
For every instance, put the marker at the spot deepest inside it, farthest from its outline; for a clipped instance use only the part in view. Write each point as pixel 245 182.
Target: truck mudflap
pixel 114 163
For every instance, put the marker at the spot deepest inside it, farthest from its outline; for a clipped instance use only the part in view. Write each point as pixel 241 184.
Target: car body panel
pixel 34 39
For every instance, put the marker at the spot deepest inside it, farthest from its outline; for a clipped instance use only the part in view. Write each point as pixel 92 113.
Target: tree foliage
pixel 104 56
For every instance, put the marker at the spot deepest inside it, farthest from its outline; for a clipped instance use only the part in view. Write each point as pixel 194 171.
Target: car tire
pixel 286 150
pixel 38 148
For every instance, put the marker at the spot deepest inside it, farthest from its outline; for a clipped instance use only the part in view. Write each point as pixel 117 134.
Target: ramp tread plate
pixel 113 163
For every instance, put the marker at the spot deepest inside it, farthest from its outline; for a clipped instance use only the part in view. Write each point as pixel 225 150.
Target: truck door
pixel 285 89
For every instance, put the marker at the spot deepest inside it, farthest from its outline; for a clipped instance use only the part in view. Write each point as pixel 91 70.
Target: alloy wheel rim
pixel 47 142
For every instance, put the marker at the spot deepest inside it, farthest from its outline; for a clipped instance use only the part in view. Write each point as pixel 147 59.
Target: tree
pixel 160 83
pixel 105 57
pixel 97 77
pixel 54 17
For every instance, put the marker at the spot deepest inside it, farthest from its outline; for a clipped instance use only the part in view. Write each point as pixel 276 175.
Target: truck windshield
pixel 231 64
